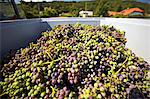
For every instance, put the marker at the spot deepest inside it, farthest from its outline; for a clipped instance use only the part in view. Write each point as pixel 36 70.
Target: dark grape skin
pixel 69 59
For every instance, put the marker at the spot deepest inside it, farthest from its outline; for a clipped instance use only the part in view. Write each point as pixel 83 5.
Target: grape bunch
pixel 76 61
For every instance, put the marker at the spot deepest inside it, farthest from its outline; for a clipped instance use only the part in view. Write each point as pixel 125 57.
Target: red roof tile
pixel 128 11
pixel 125 12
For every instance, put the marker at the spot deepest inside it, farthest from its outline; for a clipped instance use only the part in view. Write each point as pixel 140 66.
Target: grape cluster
pixel 76 61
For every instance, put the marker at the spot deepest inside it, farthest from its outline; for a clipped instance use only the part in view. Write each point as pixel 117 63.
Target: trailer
pixel 16 34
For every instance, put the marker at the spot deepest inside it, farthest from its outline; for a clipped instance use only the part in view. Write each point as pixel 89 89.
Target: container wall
pixel 137 34
pixel 59 21
pixel 137 31
pixel 19 33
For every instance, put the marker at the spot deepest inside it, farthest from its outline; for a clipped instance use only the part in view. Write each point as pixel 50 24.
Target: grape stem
pixel 49 55
pixel 121 67
pixel 3 94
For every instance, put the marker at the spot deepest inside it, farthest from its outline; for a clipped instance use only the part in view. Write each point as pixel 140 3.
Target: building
pixel 86 13
pixel 128 12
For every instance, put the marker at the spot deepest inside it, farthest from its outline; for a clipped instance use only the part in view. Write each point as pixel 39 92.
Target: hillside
pixel 99 7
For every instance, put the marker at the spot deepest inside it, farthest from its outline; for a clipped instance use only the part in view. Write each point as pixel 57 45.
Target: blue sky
pixel 147 1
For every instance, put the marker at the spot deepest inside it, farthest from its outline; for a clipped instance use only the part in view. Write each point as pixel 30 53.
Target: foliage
pixel 30 9
pixel 66 15
pixel 99 7
pixel 120 16
pixel 49 12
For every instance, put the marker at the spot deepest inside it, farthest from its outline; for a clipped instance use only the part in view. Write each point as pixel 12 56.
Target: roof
pixel 86 12
pixel 126 12
pixel 111 13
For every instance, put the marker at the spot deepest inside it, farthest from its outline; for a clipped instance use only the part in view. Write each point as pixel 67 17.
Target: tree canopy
pixel 99 7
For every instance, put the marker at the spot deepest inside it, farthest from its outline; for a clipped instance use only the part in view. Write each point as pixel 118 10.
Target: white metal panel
pixel 17 33
pixel 137 34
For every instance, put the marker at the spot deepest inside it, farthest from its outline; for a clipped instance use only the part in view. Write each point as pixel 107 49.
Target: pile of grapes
pixel 76 61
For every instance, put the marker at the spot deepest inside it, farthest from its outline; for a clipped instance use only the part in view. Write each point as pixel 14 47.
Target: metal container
pixel 15 34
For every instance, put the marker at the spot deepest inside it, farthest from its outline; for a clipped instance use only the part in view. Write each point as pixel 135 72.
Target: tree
pixel 102 7
pixel 49 12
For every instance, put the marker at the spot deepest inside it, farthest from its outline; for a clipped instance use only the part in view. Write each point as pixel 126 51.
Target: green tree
pixel 102 7
pixel 49 12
